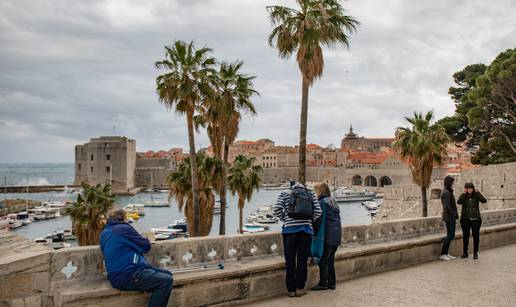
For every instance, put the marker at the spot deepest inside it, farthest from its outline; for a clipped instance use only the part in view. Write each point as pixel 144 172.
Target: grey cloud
pixel 71 70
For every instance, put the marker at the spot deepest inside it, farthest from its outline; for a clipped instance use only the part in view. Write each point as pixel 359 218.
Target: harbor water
pixel 351 213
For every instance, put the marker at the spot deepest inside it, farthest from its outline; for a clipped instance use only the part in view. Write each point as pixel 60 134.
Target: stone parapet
pixel 254 267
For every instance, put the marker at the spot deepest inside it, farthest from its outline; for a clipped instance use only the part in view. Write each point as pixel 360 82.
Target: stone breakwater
pixel 496 182
pixel 254 266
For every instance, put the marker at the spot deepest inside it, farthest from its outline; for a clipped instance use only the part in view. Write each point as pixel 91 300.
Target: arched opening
pixel 356 180
pixel 435 193
pixel 384 180
pixel 370 181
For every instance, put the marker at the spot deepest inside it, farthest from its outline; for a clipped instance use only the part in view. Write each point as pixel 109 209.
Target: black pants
pixel 327 267
pixel 474 226
pixel 297 248
pixel 450 235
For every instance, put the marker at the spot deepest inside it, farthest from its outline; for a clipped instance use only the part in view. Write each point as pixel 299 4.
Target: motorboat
pixel 345 194
pixel 370 205
pixel 216 208
pixel 132 215
pixel 267 218
pixel 24 217
pixel 14 222
pixel 178 229
pixel 44 213
pixel 373 212
pixel 135 208
pixel 55 240
pixel 68 235
pixel 254 228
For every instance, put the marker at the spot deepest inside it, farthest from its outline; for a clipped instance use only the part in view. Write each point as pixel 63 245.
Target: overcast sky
pixel 71 70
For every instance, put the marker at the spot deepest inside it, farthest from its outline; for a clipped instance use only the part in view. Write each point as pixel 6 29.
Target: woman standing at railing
pixel 470 218
pixel 332 230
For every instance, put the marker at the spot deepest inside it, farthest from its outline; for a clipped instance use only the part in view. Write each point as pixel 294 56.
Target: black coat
pixel 470 205
pixel 449 205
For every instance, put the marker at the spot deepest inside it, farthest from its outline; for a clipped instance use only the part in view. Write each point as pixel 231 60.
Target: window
pixel 91 169
pixel 108 157
pixel 91 157
pixel 108 169
pixel 79 166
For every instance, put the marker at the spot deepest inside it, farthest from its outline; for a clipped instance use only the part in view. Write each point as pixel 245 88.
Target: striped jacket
pixel 281 209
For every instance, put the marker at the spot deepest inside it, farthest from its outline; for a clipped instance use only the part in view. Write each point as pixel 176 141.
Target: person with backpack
pixel 470 218
pixel 330 227
pixel 449 216
pixel 297 208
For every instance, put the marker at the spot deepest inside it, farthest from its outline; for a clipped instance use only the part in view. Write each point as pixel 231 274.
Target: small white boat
pixel 370 205
pixel 216 208
pixel 135 208
pixel 373 212
pixel 14 222
pixel 254 228
pixel 24 217
pixel 266 218
pixel 351 195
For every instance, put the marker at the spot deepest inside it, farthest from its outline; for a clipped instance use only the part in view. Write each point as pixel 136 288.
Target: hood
pixel 469 185
pixel 448 182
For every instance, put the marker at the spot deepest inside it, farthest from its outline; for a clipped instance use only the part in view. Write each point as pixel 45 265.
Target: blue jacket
pixel 123 248
pixel 333 229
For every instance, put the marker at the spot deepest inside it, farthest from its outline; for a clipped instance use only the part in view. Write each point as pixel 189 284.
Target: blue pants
pixel 154 280
pixel 450 235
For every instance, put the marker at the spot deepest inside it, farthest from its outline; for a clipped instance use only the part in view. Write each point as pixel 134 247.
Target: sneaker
pixel 292 294
pixel 331 287
pixel 319 288
pixel 465 255
pixel 451 257
pixel 444 257
pixel 475 256
pixel 300 292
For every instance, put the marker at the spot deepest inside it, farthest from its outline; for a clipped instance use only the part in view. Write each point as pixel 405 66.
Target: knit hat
pixel 469 185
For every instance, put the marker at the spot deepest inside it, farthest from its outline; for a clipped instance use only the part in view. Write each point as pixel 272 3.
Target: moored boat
pixel 135 208
pixel 352 195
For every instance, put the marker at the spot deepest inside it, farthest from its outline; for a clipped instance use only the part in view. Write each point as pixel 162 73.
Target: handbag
pixel 317 247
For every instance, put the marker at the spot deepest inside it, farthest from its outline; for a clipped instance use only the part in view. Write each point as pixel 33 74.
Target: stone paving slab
pixel 489 281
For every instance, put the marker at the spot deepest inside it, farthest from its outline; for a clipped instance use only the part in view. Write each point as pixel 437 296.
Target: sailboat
pixel 153 202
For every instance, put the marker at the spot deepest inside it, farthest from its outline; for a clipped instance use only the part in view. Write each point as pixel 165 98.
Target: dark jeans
pixel 327 267
pixel 154 280
pixel 296 248
pixel 450 235
pixel 474 226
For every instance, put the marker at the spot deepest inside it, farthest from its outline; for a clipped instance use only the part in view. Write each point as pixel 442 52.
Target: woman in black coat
pixel 470 218
pixel 332 238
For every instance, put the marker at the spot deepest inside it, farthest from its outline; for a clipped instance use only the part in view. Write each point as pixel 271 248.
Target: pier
pixel 38 188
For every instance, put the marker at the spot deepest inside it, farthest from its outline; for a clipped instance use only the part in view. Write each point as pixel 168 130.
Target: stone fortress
pixel 360 161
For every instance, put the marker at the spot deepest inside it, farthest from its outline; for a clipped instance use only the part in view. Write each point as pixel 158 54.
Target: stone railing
pixel 49 271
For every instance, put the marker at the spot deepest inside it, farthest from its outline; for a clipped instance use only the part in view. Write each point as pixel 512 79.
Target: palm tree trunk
pixel 424 201
pixel 240 214
pixel 302 132
pixel 195 179
pixel 222 227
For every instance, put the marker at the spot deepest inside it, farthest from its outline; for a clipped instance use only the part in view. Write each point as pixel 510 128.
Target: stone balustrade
pixel 42 278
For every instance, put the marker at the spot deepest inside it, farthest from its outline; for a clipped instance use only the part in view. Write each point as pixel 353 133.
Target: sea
pixel 20 174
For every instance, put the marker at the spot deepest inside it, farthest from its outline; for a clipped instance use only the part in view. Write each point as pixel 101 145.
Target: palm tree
pixel 89 213
pixel 182 88
pixel 222 114
pixel 424 145
pixel 316 23
pixel 180 183
pixel 243 179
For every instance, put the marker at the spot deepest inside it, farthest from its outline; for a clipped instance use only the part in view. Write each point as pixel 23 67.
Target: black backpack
pixel 301 204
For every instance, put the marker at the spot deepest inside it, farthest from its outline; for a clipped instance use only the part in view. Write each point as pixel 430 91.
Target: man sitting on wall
pixel 128 270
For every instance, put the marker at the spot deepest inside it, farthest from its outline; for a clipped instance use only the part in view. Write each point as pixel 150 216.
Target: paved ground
pixel 489 281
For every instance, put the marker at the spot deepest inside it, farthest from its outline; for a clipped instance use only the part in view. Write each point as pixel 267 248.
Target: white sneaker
pixel 444 257
pixel 451 257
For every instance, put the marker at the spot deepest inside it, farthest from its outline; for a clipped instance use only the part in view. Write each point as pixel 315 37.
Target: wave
pixel 34 181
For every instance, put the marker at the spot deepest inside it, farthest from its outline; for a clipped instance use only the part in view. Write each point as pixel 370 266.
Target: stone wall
pixel 336 176
pixel 496 182
pixel 254 265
